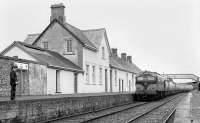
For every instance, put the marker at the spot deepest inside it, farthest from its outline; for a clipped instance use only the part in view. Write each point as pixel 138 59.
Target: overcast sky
pixel 161 35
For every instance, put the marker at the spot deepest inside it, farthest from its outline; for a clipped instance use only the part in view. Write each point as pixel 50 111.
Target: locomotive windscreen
pixel 146 78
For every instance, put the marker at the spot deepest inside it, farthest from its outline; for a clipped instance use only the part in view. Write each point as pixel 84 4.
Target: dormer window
pixel 103 52
pixel 45 45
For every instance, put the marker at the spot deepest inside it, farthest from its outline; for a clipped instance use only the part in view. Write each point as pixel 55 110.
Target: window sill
pixel 90 84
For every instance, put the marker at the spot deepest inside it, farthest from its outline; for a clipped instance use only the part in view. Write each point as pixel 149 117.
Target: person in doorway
pixel 13 81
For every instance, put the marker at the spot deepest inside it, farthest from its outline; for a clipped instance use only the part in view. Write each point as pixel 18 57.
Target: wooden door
pixel 23 86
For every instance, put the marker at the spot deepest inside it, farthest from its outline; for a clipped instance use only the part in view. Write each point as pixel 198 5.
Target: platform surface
pixel 188 110
pixel 36 97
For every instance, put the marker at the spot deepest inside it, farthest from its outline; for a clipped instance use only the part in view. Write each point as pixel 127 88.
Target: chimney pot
pixel 114 51
pixel 123 56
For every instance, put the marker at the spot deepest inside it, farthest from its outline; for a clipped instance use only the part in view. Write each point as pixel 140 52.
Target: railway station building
pixel 78 61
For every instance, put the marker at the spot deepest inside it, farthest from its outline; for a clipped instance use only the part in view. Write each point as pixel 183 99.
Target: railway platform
pixel 33 109
pixel 188 110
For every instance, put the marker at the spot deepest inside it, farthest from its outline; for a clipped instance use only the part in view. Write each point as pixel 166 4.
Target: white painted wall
pixel 51 81
pixel 66 82
pixel 15 51
pixel 122 75
pixel 92 58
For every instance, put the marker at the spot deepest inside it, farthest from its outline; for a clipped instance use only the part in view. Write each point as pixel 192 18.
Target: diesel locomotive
pixel 152 86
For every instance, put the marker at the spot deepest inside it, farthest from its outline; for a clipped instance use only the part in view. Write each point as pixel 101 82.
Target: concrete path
pixel 188 110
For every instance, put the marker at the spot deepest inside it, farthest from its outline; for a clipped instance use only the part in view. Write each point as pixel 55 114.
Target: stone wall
pixel 4 77
pixel 31 82
pixel 50 107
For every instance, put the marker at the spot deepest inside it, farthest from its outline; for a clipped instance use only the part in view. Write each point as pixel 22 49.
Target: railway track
pixel 132 113
pixel 158 114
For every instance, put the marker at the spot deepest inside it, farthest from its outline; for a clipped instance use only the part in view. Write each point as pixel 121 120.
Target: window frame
pixel 87 74
pixel 116 78
pixel 103 52
pixel 45 45
pixel 100 76
pixel 93 74
pixel 68 46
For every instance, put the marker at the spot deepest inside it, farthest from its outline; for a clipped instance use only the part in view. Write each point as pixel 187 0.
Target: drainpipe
pixel 110 80
pixel 75 82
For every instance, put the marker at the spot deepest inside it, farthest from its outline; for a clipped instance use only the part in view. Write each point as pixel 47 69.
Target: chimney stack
pixel 58 12
pixel 123 56
pixel 129 59
pixel 114 51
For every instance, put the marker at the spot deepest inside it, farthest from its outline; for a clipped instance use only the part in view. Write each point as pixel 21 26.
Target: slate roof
pixel 90 38
pixel 48 57
pixel 80 35
pixel 31 38
pixel 95 36
pixel 77 33
pixel 118 63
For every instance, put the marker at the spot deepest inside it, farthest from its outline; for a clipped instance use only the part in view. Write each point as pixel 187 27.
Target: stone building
pixel 56 75
pixel 31 76
pixel 86 51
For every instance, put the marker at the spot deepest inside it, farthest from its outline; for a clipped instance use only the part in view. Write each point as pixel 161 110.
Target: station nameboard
pixel 22 66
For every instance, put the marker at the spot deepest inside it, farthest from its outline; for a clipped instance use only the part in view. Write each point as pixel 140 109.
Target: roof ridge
pixel 97 29
pixel 31 46
pixel 34 34
pixel 125 64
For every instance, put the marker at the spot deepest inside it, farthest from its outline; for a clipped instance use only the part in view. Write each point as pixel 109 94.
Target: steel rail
pixel 105 115
pixel 112 113
pixel 151 110
pixel 172 112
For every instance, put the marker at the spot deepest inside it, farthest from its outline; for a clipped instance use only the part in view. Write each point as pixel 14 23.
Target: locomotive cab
pixel 146 86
